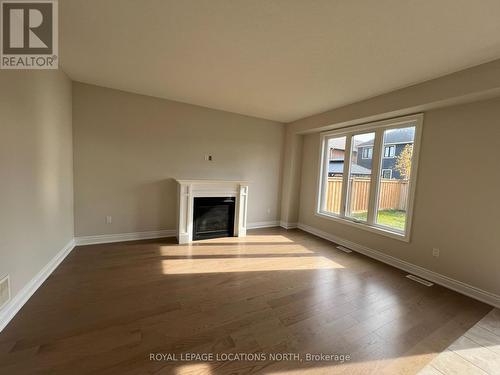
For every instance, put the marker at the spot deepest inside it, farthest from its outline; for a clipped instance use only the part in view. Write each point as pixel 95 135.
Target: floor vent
pixel 344 249
pixel 419 280
pixel 4 291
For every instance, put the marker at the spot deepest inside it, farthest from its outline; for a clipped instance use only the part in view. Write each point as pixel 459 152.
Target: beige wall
pixel 128 149
pixel 36 171
pixel 473 84
pixel 457 199
pixel 291 179
pixel 476 83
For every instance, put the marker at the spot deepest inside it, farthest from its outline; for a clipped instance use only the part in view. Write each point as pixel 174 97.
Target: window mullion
pixel 345 177
pixel 324 174
pixel 375 178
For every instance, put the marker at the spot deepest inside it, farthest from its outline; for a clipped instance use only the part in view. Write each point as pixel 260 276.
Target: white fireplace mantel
pixel 190 189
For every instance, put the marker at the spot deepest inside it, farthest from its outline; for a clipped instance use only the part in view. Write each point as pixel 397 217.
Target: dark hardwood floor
pixel 108 307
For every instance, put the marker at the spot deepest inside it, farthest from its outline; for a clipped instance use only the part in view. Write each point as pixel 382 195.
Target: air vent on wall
pixel 4 291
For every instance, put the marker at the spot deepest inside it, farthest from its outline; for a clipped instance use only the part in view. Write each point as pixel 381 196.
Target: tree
pixel 403 162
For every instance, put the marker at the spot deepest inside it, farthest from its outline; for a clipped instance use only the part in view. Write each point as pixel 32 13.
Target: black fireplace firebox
pixel 213 217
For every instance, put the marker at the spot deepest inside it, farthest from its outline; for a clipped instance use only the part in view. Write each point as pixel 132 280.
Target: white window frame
pixel 377 155
pixel 393 156
pixel 370 154
pixel 386 169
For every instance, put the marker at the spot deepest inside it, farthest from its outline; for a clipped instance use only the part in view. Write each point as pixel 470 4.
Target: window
pixel 367 152
pixel 335 174
pixel 393 194
pixel 337 152
pixel 387 173
pixel 360 178
pixel 389 151
pixel 372 185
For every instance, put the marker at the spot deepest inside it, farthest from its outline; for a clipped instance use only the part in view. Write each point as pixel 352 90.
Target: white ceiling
pixel 275 59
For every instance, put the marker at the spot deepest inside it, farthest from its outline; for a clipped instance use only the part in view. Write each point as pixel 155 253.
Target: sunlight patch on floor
pixel 190 266
pixel 477 351
pixel 194 369
pixel 314 368
pixel 192 250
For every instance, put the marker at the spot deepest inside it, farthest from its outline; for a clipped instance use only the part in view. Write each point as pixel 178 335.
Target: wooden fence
pixel 393 194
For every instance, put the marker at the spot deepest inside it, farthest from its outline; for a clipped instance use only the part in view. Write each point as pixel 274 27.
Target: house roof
pixel 338 168
pixel 339 143
pixel 403 135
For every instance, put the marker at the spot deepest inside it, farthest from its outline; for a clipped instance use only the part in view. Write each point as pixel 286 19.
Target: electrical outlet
pixel 209 158
pixel 109 219
pixel 435 252
pixel 268 211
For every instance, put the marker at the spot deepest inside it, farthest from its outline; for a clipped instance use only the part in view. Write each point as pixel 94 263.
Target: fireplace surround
pixel 189 190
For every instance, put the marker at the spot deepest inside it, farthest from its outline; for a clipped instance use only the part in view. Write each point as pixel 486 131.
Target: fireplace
pixel 213 217
pixel 232 209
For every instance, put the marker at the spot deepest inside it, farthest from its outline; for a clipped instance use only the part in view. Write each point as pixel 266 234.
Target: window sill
pixel 405 237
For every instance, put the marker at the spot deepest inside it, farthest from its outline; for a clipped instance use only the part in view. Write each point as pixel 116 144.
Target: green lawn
pixel 391 218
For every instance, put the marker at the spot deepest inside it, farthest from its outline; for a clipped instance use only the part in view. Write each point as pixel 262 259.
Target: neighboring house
pixel 336 169
pixel 394 142
pixel 336 165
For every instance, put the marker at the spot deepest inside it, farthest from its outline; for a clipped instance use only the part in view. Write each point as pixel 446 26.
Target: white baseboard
pixel 263 224
pixel 287 225
pixel 15 304
pixel 448 282
pixel 120 237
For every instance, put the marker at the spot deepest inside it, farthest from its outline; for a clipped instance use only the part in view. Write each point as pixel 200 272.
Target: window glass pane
pixel 392 151
pixel 367 152
pixel 358 192
pixel 395 177
pixel 387 173
pixel 389 151
pixel 333 189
